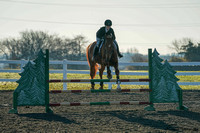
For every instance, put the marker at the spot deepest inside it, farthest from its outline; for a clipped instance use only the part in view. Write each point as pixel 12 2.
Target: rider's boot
pixel 96 49
pixel 117 47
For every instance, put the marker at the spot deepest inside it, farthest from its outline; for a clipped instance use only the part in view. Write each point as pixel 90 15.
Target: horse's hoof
pixel 100 88
pixel 118 87
pixel 118 90
pixel 109 77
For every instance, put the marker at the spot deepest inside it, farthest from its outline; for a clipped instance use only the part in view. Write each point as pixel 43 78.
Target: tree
pixel 81 41
pixel 191 51
pixel 139 58
pixel 136 57
pixel 132 50
pixel 177 59
pixel 30 42
pixel 188 48
pixel 177 44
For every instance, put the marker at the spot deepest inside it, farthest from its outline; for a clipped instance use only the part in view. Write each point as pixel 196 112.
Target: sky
pixel 139 24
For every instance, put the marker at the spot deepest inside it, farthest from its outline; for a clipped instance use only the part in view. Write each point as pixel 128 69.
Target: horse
pixel 108 57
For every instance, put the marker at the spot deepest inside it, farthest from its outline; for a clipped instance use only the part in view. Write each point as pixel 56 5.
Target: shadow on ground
pixel 130 116
pixel 185 114
pixel 48 117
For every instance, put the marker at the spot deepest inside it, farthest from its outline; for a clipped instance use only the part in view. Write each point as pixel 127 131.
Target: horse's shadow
pixel 48 117
pixel 130 116
pixel 185 114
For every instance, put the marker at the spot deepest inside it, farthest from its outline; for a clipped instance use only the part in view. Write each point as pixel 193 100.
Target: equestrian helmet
pixel 108 22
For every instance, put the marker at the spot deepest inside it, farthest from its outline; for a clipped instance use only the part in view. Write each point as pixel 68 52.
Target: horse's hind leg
pixel 101 75
pixel 117 75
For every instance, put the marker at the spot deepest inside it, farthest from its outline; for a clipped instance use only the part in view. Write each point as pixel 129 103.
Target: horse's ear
pixel 110 35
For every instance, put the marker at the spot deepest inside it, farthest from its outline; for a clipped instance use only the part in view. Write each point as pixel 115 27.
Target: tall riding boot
pixel 95 51
pixel 116 44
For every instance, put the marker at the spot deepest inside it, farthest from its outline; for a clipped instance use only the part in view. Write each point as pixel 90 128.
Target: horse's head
pixel 109 47
pixel 109 40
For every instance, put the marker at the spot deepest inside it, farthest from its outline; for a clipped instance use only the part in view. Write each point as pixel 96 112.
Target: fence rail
pixel 65 71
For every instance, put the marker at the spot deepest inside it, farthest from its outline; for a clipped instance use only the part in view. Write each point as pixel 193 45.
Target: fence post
pixel 151 106
pixel 65 73
pixel 48 110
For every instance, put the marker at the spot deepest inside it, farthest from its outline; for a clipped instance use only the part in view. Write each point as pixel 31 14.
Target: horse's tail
pixel 87 51
pixel 96 65
pixel 95 70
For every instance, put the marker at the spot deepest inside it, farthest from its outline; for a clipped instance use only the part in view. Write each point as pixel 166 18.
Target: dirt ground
pixel 115 118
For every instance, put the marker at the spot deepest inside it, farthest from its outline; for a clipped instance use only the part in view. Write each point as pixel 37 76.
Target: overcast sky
pixel 140 24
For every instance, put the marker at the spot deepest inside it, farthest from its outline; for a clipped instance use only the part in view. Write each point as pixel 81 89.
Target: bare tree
pixel 81 41
pixel 30 42
pixel 136 56
pixel 177 44
pixel 132 51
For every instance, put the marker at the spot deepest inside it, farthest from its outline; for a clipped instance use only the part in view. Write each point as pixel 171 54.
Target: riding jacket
pixel 102 32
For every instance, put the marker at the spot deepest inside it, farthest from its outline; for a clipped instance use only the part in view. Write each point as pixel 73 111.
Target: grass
pixel 77 86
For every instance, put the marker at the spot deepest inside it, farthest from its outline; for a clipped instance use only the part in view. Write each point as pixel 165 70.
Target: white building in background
pixel 126 57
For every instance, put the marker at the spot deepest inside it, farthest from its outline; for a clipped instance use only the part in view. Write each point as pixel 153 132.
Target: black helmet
pixel 108 22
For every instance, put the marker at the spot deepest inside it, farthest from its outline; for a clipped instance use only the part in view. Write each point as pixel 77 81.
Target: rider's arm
pixel 113 34
pixel 100 33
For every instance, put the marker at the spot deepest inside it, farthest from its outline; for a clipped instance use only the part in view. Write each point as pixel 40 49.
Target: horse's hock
pixel 33 88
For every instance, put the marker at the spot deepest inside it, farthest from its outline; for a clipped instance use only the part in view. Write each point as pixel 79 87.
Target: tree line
pixel 185 49
pixel 188 50
pixel 30 42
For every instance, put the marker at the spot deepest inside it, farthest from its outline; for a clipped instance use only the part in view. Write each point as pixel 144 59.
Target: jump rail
pixel 98 103
pixel 97 91
pixel 97 80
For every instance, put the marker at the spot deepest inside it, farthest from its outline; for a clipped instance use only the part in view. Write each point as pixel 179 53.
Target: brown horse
pixel 108 57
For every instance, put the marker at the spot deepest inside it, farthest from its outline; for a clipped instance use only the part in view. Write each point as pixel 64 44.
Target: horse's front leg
pixel 117 75
pixel 109 75
pixel 101 75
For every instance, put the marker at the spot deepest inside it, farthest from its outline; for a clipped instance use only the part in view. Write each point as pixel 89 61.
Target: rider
pixel 100 36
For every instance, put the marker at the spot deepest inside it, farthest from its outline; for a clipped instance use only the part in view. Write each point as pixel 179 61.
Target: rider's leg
pixel 96 48
pixel 117 47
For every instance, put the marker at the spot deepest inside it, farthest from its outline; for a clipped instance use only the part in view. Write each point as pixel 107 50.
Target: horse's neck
pixel 103 48
pixel 108 50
